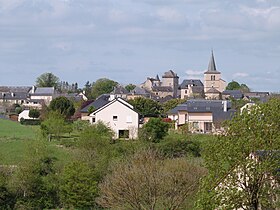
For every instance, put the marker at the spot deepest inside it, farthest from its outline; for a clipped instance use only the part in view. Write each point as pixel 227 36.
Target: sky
pixel 130 40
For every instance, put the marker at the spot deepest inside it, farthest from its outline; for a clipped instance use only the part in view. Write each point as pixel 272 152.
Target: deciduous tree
pixel 243 163
pixel 47 80
pixel 146 181
pixel 146 106
pixel 63 106
pixel 102 86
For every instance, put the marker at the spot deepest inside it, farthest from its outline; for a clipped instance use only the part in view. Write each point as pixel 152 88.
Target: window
pixel 128 119
pixel 212 77
pixel 93 120
pixel 208 126
pixel 124 134
pixel 115 117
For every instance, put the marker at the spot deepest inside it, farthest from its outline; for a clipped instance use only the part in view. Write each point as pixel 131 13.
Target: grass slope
pixel 15 141
pixel 10 129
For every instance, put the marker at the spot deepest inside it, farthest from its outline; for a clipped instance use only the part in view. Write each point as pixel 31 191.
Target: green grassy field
pixel 10 129
pixel 15 142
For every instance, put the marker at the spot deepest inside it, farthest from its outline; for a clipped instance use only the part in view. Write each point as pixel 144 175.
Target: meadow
pixel 15 140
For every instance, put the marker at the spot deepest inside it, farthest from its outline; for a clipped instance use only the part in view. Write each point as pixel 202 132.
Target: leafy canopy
pixel 243 163
pixel 47 80
pixel 102 86
pixel 63 106
pixel 146 106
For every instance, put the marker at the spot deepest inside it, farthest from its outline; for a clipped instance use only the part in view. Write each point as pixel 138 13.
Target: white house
pixel 25 115
pixel 120 116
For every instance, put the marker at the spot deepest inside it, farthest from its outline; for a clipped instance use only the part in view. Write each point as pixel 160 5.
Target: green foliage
pixel 30 121
pixel 55 125
pixel 168 105
pixel 146 106
pixel 78 188
pixel 47 80
pixel 34 113
pixel 102 86
pixel 130 87
pixel 91 109
pixel 80 125
pixel 34 179
pixel 18 109
pixel 12 129
pixel 154 130
pixel 63 106
pixel 244 158
pixel 233 85
pixel 147 181
pixel 174 148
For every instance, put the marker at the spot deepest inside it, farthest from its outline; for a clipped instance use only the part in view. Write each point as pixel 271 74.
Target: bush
pixel 30 121
pixel 180 148
pixel 154 130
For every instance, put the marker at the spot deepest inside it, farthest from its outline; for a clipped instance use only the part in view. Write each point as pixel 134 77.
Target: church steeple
pixel 212 65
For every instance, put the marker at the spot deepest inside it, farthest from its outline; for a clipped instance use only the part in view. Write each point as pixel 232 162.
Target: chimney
pixel 225 105
pixel 33 89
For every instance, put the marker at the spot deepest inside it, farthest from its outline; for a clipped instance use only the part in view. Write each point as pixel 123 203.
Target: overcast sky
pixel 129 40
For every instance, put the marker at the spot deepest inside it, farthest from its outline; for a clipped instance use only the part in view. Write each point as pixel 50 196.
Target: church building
pixel 214 85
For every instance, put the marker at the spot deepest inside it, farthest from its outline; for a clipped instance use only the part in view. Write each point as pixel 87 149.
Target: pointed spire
pixel 212 65
pixel 157 77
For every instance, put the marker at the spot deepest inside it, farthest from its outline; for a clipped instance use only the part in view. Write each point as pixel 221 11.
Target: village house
pixel 201 116
pixel 191 88
pixel 168 86
pixel 120 116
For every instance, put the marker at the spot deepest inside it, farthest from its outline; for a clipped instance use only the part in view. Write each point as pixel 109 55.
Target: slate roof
pixel 212 65
pixel 162 89
pixel 99 102
pixel 216 107
pixel 22 89
pixel 139 91
pixel 212 90
pixel 170 74
pixel 43 91
pixel 14 96
pixel 119 90
pixel 193 82
pixel 236 94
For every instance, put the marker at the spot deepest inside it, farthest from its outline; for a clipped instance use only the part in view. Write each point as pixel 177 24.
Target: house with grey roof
pixel 161 88
pixel 191 88
pixel 201 116
pixel 232 94
pixel 47 94
pixel 120 116
pixel 94 105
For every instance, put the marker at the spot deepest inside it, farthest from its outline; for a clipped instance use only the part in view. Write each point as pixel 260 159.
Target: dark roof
pixel 237 94
pixel 197 89
pixel 14 96
pixel 216 107
pixel 212 90
pixel 99 102
pixel 44 91
pixel 113 101
pixel 162 100
pixel 157 78
pixel 22 89
pixel 162 88
pixel 119 90
pixel 170 74
pixel 212 65
pixel 192 82
pixel 139 91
